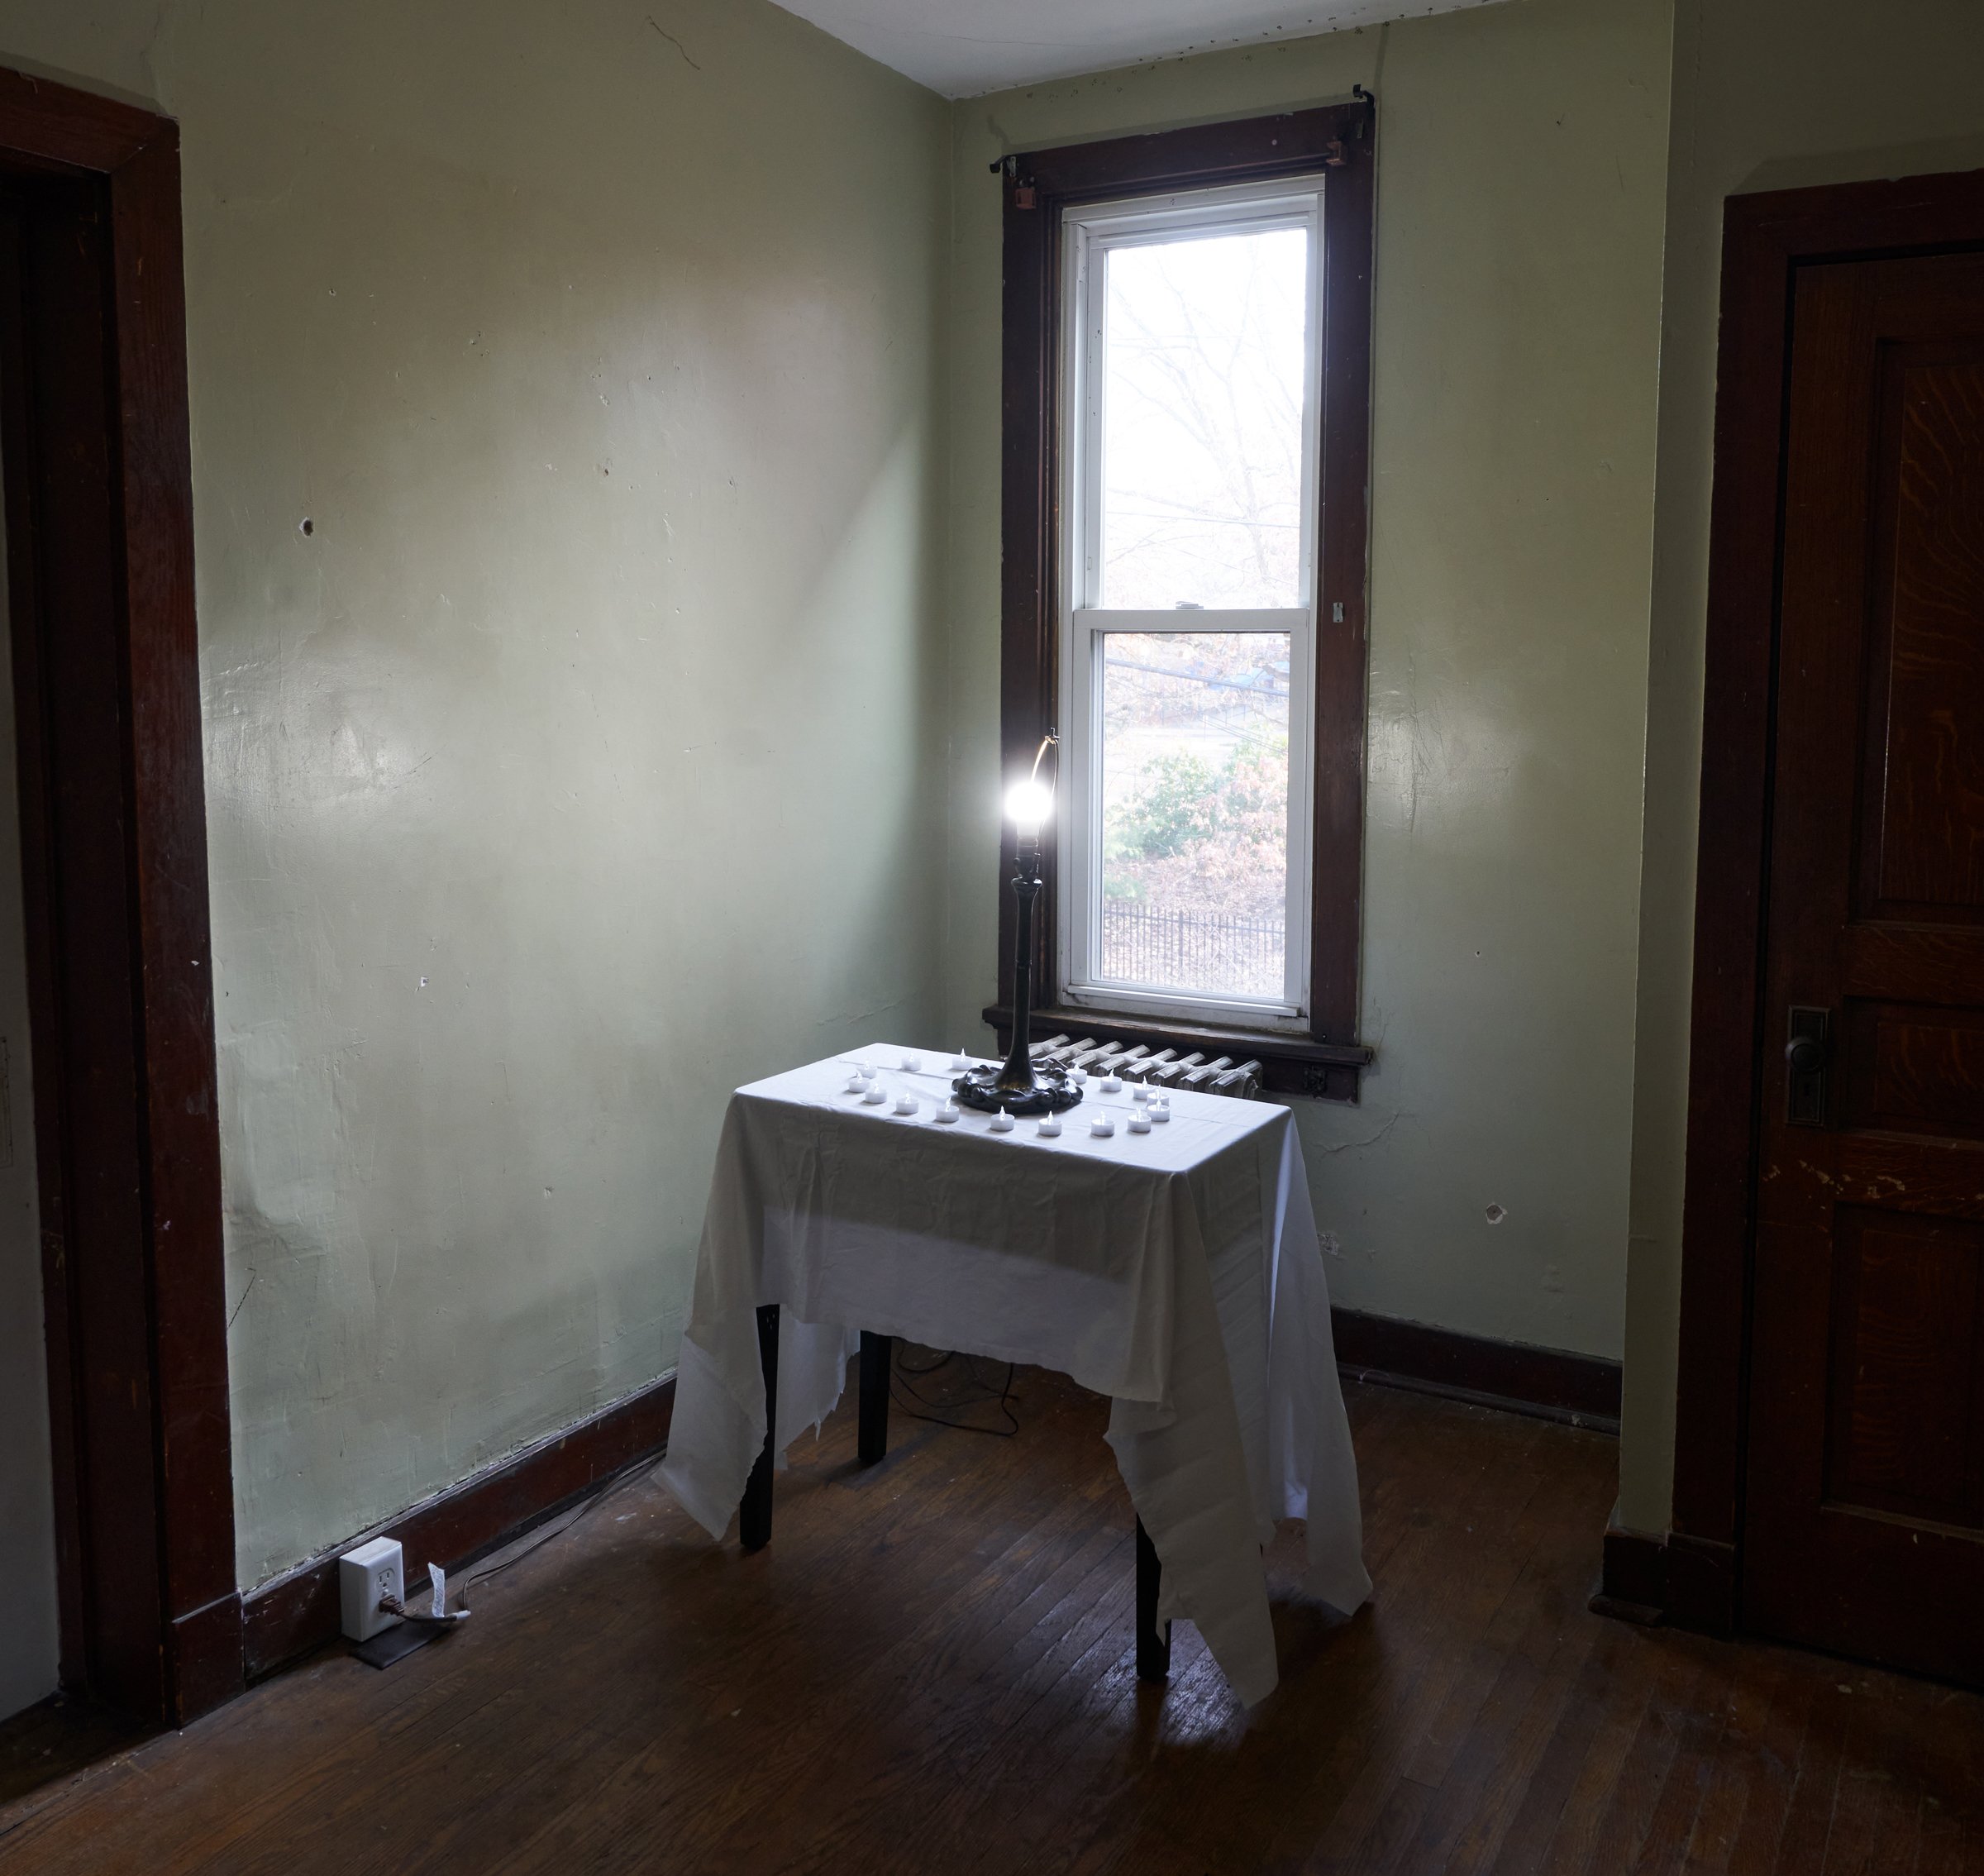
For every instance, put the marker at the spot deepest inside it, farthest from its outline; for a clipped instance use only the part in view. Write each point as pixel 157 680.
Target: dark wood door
pixel 1863 1527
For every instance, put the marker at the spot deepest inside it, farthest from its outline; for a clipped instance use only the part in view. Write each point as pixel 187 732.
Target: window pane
pixel 1195 811
pixel 1202 422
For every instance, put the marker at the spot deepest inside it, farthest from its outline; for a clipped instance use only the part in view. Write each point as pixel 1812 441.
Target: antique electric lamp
pixel 1017 1087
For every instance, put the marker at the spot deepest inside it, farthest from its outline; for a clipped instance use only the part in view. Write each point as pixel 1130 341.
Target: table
pixel 1176 1272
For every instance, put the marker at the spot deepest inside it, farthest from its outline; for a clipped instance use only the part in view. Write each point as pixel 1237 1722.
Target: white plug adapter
pixel 366 1578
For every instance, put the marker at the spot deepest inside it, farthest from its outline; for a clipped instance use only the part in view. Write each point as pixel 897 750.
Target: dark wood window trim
pixel 1766 239
pixel 100 545
pixel 1339 140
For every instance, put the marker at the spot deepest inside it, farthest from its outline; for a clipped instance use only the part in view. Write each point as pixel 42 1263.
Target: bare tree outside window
pixel 1204 348
pixel 1202 421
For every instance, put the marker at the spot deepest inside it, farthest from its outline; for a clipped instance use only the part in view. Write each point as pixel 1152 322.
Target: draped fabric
pixel 1176 1272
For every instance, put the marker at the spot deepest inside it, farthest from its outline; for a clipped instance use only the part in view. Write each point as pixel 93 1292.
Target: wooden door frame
pixel 135 1317
pixel 1766 238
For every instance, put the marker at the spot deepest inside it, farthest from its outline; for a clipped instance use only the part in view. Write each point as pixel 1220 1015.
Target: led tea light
pixel 911 1063
pixel 905 1104
pixel 1140 1094
pixel 856 1084
pixel 959 1059
pixel 1139 1122
pixel 1101 1127
pixel 875 1094
pixel 1112 1084
pixel 1161 1108
pixel 946 1115
pixel 1002 1122
pixel 1050 1127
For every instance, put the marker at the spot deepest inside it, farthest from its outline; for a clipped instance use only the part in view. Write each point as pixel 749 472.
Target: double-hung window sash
pixel 1190 430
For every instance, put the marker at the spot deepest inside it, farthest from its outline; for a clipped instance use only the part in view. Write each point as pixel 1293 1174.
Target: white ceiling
pixel 962 48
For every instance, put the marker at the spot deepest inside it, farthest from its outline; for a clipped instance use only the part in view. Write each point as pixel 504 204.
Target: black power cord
pixel 902 1377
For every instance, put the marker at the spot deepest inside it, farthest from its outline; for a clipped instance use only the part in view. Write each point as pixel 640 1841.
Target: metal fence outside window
pixel 1198 951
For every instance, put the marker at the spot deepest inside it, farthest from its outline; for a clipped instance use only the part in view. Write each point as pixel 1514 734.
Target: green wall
pixel 584 760
pixel 1522 161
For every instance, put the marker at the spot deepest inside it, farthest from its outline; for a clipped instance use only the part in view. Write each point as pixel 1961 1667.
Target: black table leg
pixel 1153 1648
pixel 878 1355
pixel 754 1515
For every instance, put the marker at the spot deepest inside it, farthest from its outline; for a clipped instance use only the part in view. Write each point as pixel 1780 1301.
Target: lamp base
pixel 1051 1092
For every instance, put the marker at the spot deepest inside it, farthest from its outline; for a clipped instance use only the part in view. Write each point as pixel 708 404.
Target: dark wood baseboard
pixel 1688 1580
pixel 1633 1585
pixel 298 1612
pixel 1701 1584
pixel 1580 1389
pixel 206 1657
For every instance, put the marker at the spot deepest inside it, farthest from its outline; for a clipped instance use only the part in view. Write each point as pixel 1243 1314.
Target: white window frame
pixel 1089 232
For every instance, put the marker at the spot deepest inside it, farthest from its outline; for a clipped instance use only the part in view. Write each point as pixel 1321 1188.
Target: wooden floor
pixel 930 1671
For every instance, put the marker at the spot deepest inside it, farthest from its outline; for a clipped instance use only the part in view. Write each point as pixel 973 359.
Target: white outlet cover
pixel 365 1575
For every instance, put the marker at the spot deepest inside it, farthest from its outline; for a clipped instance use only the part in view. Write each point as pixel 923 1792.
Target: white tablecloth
pixel 1176 1272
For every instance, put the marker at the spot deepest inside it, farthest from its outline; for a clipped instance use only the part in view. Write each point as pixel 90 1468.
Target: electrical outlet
pixel 366 1576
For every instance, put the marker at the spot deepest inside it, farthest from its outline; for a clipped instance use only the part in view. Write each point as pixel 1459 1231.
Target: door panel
pixel 1901 1432
pixel 1916 1067
pixel 1864 1519
pixel 1923 816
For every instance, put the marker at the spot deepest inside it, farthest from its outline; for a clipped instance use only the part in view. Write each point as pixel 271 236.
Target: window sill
pixel 1290 1065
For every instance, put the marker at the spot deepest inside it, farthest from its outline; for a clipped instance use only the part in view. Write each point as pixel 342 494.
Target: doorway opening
pixel 93 443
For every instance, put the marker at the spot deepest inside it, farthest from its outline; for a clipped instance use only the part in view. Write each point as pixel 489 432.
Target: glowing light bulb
pixel 1027 804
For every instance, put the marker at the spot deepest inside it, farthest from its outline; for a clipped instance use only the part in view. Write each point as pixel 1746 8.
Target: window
pixel 1187 392
pixel 1188 435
